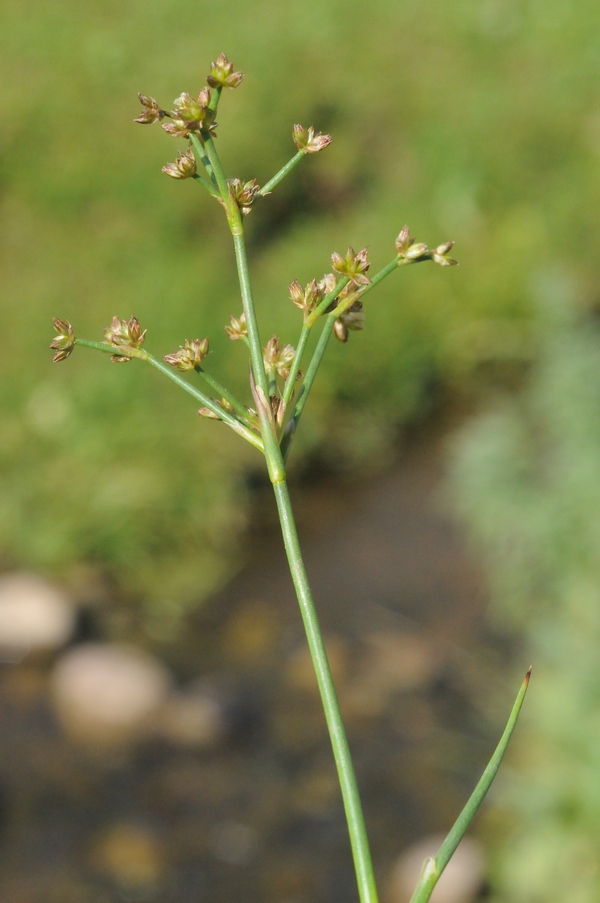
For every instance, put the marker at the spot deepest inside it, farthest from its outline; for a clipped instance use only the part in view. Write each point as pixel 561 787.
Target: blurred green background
pixel 472 121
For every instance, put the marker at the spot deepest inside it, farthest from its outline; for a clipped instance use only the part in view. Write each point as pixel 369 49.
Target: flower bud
pixel 327 284
pixel 277 358
pixel 64 342
pixel 353 265
pixel 206 412
pixel 222 74
pixel 151 112
pixel 307 141
pixel 186 109
pixel 404 241
pixel 183 168
pixel 238 329
pixel 189 356
pixel 416 251
pixel 439 255
pixel 308 298
pixel 297 294
pixel 177 128
pixel 340 331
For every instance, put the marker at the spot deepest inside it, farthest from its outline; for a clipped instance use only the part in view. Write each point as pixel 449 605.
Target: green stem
pixel 234 218
pixel 239 408
pixel 141 355
pixel 309 379
pixel 283 172
pixel 203 157
pixel 215 95
pixel 290 382
pixel 377 278
pixel 327 300
pixel 354 815
pixel 210 188
pixel 435 865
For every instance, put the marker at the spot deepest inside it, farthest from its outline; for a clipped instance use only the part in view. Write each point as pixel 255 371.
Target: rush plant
pixel 279 390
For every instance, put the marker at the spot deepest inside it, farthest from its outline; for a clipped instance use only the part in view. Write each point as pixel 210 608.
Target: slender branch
pixel 290 382
pixel 435 865
pixel 326 302
pixel 309 379
pixel 240 409
pixel 202 156
pixel 141 355
pixel 216 168
pixel 377 278
pixel 352 805
pixel 280 176
pixel 210 188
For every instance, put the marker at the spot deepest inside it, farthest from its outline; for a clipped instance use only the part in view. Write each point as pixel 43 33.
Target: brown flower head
pixel 222 74
pixel 277 358
pixel 243 193
pixel 64 342
pixel 238 329
pixel 353 265
pixel 183 168
pixel 151 112
pixel 306 140
pixel 306 298
pixel 190 355
pixel 124 334
pixel 439 255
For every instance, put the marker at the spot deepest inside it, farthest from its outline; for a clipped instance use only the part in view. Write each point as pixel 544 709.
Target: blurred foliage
pixel 473 121
pixel 527 481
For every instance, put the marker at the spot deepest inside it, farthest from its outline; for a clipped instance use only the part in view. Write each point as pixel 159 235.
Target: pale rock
pixel 107 695
pixel 34 616
pixel 461 880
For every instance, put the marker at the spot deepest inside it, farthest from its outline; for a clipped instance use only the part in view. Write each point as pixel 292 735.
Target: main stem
pixel 276 468
pixel 341 753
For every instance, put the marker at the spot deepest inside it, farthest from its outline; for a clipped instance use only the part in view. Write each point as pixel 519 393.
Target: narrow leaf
pixel 434 866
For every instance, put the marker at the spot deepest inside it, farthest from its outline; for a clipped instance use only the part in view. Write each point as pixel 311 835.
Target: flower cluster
pixel 184 166
pixel 221 74
pixel 277 358
pixel 64 342
pixel 308 298
pixel 353 265
pixel 190 355
pixel 409 250
pixel 243 193
pixel 124 334
pixel 151 113
pixel 306 140
pixel 238 329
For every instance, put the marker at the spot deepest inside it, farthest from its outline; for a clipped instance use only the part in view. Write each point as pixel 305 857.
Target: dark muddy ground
pixel 256 814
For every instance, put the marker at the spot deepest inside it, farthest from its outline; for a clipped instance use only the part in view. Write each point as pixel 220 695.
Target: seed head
pixel 190 355
pixel 222 74
pixel 306 140
pixel 183 168
pixel 353 265
pixel 151 112
pixel 64 342
pixel 124 334
pixel 238 329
